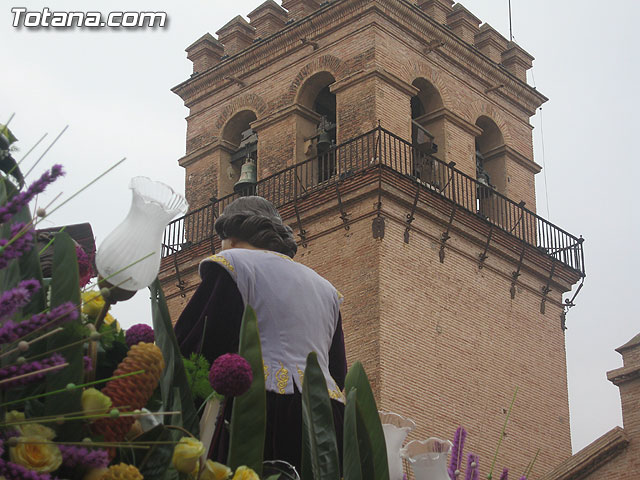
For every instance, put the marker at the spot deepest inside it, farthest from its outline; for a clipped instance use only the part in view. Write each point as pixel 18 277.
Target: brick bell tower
pixel 394 138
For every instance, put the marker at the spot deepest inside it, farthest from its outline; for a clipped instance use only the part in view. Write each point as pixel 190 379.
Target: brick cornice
pixel 453 118
pixel 327 17
pixel 213 146
pixel 295 109
pixel 382 74
pixel 515 156
pixel 624 374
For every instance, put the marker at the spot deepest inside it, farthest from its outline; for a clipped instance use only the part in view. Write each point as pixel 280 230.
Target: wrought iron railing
pixel 380 149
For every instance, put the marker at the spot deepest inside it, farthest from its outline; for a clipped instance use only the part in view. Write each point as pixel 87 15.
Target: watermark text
pixel 61 19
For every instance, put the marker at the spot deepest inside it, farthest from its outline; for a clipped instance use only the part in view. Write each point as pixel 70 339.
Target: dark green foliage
pixel 248 419
pixel 197 369
pixel 369 426
pixel 319 446
pixel 174 374
pixel 64 288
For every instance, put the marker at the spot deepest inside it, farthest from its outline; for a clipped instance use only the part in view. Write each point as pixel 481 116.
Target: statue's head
pixel 256 221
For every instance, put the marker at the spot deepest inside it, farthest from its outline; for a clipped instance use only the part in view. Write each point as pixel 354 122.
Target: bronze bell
pixel 248 178
pixel 324 141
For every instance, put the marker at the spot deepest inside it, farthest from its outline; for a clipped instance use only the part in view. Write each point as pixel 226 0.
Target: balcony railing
pixel 380 149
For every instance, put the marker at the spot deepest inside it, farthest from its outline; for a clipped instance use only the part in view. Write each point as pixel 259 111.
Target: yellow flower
pixel 186 455
pixel 14 416
pixel 245 473
pixel 36 430
pixel 28 429
pixel 215 471
pixel 108 320
pixel 40 455
pixel 94 402
pixel 92 303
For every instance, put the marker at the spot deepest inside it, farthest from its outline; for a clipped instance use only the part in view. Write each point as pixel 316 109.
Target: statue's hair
pixel 256 221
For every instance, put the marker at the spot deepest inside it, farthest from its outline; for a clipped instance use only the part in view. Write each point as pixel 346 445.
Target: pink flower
pixel 230 375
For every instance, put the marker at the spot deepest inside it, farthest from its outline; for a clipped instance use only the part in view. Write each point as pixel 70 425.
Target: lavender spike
pixel 457 452
pixel 472 467
pixel 22 199
pixel 17 297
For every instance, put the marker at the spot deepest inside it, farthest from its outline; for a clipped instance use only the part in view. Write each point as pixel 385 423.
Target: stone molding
pixel 517 157
pixel 453 118
pixel 213 146
pixel 275 117
pixel 380 73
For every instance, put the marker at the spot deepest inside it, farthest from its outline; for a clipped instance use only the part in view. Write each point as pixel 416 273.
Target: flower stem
pixel 54 392
pixel 55 140
pixel 527 471
pixel 30 342
pixel 504 428
pixel 36 372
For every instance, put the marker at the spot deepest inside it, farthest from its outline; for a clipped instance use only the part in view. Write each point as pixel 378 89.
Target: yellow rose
pixel 215 471
pixel 94 402
pixel 41 455
pixel 109 319
pixel 14 416
pixel 36 430
pixel 245 473
pixel 92 303
pixel 186 455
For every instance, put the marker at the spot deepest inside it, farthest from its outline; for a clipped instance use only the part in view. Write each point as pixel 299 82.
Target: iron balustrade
pixel 378 149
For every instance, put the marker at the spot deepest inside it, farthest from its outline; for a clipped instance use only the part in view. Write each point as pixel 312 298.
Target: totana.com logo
pixel 60 19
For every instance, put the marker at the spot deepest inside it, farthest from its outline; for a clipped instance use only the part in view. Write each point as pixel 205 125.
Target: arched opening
pixel 321 131
pixel 427 128
pixel 241 162
pixel 490 170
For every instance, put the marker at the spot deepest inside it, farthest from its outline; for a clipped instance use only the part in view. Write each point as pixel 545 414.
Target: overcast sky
pixel 112 87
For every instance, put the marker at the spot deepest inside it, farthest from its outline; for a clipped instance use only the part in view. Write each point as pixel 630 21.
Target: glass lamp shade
pixel 395 428
pixel 129 258
pixel 428 458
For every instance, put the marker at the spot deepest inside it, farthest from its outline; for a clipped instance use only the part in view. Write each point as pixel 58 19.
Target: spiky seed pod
pixel 133 392
pixel 122 471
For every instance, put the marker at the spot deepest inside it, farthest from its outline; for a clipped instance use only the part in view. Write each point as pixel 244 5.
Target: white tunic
pixel 297 313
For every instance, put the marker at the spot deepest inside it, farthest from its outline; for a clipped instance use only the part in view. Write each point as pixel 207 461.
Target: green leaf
pixel 248 417
pixel 174 374
pixel 320 459
pixel 351 450
pixel 64 288
pixel 372 428
pixel 152 462
pixel 10 275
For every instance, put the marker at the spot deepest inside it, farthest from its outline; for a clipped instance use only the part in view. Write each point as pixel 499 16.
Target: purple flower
pixel 472 467
pixel 139 333
pixel 22 199
pixel 29 367
pixel 85 266
pixel 523 477
pixel 505 474
pixel 74 457
pixel 13 471
pixel 457 452
pixel 230 375
pixel 10 331
pixel 15 249
pixel 17 297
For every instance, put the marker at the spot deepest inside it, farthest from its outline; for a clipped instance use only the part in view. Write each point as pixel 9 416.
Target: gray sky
pixel 111 86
